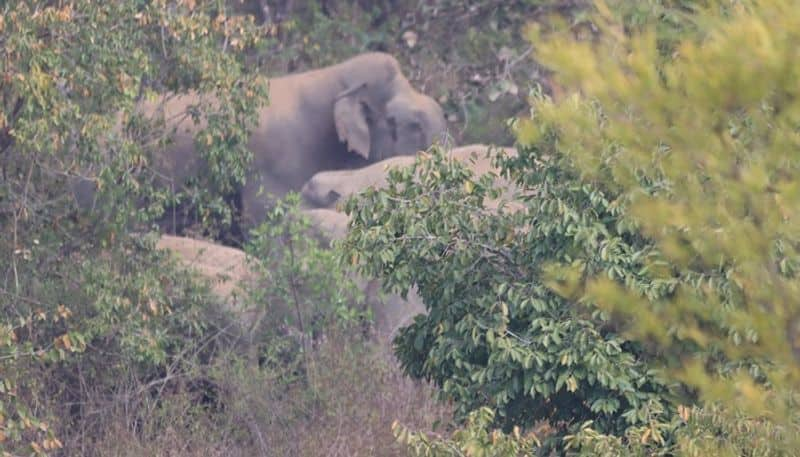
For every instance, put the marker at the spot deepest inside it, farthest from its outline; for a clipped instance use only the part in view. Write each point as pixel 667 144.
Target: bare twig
pixel 22 207
pixel 298 311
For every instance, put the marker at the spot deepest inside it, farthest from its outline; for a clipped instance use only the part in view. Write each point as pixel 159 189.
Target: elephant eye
pixel 415 131
pixel 392 127
pixel 332 198
pixel 367 112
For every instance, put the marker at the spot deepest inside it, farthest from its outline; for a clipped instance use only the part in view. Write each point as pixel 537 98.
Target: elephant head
pixel 380 115
pixel 345 116
pixel 326 188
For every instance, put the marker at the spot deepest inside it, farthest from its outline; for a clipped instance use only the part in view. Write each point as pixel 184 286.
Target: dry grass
pixel 354 393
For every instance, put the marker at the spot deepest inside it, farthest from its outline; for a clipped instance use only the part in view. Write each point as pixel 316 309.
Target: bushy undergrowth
pixel 304 380
pixel 91 317
pixel 354 393
pixel 496 334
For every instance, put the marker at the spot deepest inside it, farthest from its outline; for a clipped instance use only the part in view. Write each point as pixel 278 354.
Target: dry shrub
pixel 177 429
pixel 355 390
pixel 345 407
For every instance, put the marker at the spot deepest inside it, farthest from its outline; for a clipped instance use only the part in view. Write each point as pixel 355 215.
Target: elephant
pixel 329 225
pixel 344 116
pixel 224 266
pixel 326 188
pixel 228 272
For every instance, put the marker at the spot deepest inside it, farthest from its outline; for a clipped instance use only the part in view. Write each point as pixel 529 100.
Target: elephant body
pixel 391 311
pixel 340 117
pixel 224 267
pixel 327 188
pixel 328 224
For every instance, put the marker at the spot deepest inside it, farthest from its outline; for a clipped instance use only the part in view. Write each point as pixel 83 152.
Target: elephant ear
pixel 350 117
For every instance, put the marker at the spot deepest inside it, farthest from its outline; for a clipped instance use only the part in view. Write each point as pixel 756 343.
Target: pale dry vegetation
pixel 355 391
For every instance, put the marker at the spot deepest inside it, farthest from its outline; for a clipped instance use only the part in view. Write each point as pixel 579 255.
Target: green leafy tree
pixel 302 287
pixel 495 334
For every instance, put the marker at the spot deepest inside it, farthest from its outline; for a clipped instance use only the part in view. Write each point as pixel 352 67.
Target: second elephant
pixel 326 188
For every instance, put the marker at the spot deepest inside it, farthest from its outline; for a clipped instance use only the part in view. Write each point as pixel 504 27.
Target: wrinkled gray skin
pixel 326 188
pixel 328 224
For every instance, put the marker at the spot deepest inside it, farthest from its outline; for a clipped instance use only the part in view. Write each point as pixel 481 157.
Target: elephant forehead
pixel 416 107
pixel 406 102
pixel 376 174
pixel 346 182
pixel 349 182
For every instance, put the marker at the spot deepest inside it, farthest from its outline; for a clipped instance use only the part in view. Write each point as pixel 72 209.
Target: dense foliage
pixel 90 314
pixel 475 439
pixel 657 222
pixel 702 150
pixel 495 333
pixel 308 289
